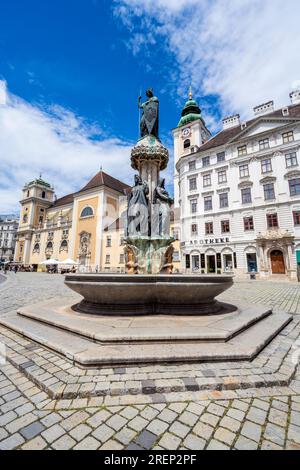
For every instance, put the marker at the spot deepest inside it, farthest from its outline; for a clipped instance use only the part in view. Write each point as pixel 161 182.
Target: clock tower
pixel 189 135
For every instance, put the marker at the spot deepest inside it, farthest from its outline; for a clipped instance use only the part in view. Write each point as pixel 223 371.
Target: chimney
pixel 264 108
pixel 295 96
pixel 231 121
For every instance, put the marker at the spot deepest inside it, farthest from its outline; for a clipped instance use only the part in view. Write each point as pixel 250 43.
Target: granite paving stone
pixel 153 406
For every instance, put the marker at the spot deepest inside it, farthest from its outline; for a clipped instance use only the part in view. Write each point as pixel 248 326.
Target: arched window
pixel 43 195
pixel 36 248
pixel 49 246
pixel 64 245
pixel 186 144
pixel 28 193
pixel 25 219
pixel 87 212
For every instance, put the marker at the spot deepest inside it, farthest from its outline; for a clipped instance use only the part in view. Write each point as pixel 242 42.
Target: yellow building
pixel 86 226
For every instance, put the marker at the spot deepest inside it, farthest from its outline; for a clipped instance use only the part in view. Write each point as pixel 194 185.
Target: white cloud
pixel 245 52
pixel 54 141
pixel 3 93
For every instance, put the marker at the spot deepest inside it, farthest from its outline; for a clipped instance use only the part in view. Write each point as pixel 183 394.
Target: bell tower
pixel 190 133
pixel 37 197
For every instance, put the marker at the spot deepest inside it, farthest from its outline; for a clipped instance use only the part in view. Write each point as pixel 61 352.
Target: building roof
pixel 103 179
pixel 191 111
pixel 64 200
pixel 227 135
pixel 100 179
pixel 41 182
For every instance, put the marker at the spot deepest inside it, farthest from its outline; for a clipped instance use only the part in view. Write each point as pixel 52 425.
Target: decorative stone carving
pixel 138 212
pixel 84 245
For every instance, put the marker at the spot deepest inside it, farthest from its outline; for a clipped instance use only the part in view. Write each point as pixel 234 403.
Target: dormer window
pixel 205 161
pixel 220 157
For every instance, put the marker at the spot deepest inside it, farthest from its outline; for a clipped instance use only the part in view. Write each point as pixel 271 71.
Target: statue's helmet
pixel 149 92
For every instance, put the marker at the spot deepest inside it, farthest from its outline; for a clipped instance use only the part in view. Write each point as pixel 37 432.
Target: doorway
pixel 195 262
pixel 251 263
pixel 211 264
pixel 277 262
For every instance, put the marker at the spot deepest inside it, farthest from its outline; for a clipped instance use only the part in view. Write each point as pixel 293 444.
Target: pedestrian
pixel 16 269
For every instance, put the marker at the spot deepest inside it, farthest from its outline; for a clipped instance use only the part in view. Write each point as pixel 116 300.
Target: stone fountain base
pixel 96 341
pixel 148 294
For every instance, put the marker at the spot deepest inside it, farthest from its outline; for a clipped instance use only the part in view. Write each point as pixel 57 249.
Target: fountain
pixel 149 287
pixel 148 315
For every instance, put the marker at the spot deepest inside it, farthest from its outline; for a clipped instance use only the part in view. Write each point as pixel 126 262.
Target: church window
pixel 87 212
pixel 64 245
pixel 43 195
pixel 186 144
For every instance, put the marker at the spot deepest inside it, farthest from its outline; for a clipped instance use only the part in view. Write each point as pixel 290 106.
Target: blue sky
pixel 71 71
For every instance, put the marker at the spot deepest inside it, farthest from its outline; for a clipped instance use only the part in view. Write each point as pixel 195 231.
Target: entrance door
pixel 195 262
pixel 251 262
pixel 277 262
pixel 211 263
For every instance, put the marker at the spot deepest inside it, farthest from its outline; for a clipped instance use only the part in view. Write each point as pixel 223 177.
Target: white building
pixel 239 191
pixel 8 235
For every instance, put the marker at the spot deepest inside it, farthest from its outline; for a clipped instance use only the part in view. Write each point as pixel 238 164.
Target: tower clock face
pixel 186 132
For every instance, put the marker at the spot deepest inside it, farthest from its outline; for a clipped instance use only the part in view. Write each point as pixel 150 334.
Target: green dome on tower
pixel 191 111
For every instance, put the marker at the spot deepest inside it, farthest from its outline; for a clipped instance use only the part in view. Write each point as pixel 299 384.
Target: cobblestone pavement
pixel 149 407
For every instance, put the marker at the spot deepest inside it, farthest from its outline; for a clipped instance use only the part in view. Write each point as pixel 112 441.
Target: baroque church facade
pixel 71 227
pixel 238 192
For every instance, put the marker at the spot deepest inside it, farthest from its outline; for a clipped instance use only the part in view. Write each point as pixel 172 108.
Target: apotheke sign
pixel 211 241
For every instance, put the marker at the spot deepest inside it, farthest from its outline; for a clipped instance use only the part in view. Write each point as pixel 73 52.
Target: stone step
pixel 162 328
pixel 87 353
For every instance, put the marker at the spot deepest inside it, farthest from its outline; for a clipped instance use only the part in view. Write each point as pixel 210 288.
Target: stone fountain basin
pixel 148 294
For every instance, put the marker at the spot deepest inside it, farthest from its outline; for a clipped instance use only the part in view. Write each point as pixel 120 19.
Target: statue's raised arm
pixel 149 120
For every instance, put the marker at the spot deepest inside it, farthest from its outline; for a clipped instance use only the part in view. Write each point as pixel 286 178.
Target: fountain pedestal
pixel 149 247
